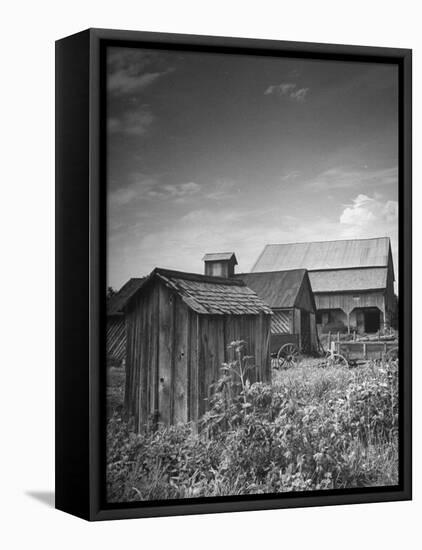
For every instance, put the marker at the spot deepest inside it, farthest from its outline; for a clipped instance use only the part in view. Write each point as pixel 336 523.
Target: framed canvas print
pixel 233 274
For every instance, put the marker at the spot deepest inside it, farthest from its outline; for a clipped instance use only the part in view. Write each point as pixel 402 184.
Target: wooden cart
pixel 358 350
pixel 285 350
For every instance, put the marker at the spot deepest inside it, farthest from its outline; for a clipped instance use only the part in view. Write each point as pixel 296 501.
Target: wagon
pixel 285 350
pixel 358 351
pixel 365 349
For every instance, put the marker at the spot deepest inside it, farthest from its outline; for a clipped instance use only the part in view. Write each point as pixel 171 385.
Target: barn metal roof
pixel 346 280
pixel 279 289
pixel 116 304
pixel 217 256
pixel 212 295
pixel 325 255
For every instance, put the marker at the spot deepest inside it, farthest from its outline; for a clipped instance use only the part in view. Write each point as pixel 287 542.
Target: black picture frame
pixel 80 272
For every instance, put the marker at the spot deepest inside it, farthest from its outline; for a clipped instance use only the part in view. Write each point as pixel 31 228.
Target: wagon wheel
pixel 392 354
pixel 288 356
pixel 336 360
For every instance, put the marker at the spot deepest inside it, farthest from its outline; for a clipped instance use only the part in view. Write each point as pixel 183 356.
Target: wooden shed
pixel 290 296
pixel 116 323
pixel 179 326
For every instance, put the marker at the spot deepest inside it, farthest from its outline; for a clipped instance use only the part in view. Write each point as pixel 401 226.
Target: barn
pixel 116 325
pixel 289 295
pixel 178 328
pixel 352 280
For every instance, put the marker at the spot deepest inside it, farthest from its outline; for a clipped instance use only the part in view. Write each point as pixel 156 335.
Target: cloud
pixel 181 241
pixel 177 191
pixel 344 178
pixel 369 217
pixel 131 123
pixel 290 176
pixel 122 82
pixel 138 187
pixel 131 70
pixel 221 189
pixel 299 95
pixel 179 238
pixel 288 90
pixel 142 187
pixel 281 89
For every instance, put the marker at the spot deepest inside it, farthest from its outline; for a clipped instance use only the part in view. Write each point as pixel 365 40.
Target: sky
pixel 227 153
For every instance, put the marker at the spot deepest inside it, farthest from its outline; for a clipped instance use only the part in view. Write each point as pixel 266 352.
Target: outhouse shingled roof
pixel 211 295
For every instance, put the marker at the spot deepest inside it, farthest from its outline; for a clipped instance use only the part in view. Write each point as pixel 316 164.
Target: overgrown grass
pixel 115 390
pixel 313 428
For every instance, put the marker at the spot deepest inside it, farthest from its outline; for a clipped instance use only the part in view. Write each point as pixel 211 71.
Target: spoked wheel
pixel 336 360
pixel 392 354
pixel 288 356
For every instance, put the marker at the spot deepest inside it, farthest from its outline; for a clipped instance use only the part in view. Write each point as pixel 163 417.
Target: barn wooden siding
pixel 174 354
pixel 282 321
pixel 116 338
pixel 349 301
pixel 116 324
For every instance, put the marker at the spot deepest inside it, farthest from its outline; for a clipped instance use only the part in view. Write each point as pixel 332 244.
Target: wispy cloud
pixel 123 82
pixel 288 90
pixel 221 189
pixel 344 178
pixel 132 123
pixel 177 191
pixel 290 176
pixel 132 70
pixel 142 187
pixel 139 186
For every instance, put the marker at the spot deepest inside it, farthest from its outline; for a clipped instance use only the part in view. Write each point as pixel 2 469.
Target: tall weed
pixel 314 428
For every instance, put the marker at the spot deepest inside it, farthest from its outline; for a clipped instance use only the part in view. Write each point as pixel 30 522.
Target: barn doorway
pixel 371 319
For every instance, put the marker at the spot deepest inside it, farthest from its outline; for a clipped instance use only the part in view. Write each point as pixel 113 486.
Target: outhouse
pixel 178 329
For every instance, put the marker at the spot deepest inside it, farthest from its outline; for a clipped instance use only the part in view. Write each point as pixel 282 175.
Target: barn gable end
pixel 290 296
pixel 305 296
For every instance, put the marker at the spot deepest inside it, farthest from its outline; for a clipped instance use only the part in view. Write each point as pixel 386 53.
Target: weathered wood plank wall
pixel 181 352
pixel 347 302
pixel 174 355
pixel 116 338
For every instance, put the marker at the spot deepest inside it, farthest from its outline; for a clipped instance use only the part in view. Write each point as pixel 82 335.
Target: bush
pixel 312 429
